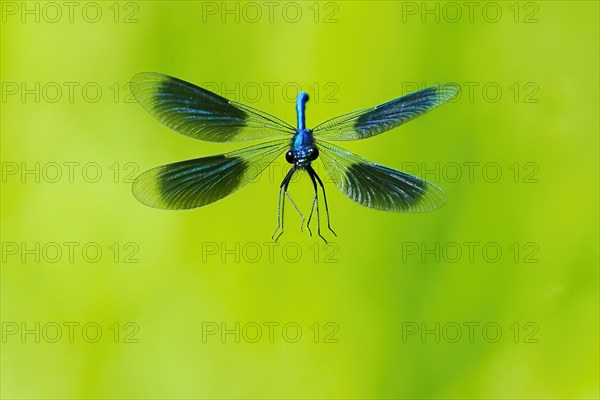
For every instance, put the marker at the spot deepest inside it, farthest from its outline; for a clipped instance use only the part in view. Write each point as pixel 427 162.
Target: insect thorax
pixel 302 149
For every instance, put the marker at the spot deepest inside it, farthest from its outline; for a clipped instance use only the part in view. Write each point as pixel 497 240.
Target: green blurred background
pixel 401 307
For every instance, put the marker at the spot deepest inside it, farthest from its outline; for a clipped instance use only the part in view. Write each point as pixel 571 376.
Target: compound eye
pixel 289 157
pixel 313 153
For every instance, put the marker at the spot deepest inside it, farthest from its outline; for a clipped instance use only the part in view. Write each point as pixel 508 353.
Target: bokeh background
pixel 103 297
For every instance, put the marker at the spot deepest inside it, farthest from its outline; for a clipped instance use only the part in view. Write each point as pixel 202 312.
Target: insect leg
pixel 325 200
pixel 297 209
pixel 279 197
pixel 312 208
pixel 312 174
pixel 283 190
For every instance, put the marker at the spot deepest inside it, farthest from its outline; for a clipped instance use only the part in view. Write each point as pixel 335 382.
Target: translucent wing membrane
pixel 375 186
pixel 195 183
pixel 373 121
pixel 198 113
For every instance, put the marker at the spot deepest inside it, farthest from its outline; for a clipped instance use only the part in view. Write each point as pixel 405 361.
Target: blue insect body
pixel 303 149
pixel 302 152
pixel 200 114
pixel 301 110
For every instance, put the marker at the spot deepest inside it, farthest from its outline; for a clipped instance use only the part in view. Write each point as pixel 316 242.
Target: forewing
pixel 375 186
pixel 373 121
pixel 195 183
pixel 201 114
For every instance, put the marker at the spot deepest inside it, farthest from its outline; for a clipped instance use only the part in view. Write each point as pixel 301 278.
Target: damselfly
pixel 200 114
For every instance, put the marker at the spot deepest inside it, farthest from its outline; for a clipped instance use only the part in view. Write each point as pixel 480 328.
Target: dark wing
pixel 195 183
pixel 198 113
pixel 373 121
pixel 375 186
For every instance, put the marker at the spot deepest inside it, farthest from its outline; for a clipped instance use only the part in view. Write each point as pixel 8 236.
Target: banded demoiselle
pixel 201 114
